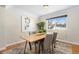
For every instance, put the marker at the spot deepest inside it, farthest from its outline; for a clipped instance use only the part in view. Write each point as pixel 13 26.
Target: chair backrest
pixel 54 37
pixel 48 41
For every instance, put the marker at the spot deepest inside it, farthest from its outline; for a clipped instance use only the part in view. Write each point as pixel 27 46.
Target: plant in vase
pixel 41 27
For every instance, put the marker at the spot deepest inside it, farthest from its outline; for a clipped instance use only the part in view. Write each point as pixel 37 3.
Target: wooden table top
pixel 35 37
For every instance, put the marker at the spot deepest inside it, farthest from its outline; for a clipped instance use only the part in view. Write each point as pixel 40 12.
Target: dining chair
pixel 49 42
pixel 54 41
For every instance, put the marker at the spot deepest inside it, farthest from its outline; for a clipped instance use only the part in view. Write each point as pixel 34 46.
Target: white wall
pixel 13 24
pixel 2 36
pixel 73 24
pixel 10 24
pixel 72 31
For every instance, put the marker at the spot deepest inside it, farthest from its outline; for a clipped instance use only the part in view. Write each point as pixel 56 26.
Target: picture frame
pixel 25 20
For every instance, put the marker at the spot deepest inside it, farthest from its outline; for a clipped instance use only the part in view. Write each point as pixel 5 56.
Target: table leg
pixel 39 47
pixel 42 46
pixel 25 47
pixel 30 46
pixel 35 47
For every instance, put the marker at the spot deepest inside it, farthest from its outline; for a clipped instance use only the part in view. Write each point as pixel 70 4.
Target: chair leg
pixel 54 46
pixel 25 47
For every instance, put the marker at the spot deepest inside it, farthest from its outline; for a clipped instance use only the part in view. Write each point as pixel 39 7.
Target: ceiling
pixel 40 9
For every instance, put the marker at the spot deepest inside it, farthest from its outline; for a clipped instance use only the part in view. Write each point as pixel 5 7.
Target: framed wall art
pixel 25 23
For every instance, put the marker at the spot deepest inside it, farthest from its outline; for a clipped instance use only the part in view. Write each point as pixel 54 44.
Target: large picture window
pixel 57 22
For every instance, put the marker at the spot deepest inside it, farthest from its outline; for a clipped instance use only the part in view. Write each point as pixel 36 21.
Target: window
pixel 57 22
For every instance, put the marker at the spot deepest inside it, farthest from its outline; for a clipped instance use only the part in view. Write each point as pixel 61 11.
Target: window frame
pixel 55 18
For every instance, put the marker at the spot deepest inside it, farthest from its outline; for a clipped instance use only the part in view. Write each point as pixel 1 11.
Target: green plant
pixel 41 27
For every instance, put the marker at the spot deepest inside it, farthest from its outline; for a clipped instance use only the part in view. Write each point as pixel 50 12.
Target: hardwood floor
pixel 18 48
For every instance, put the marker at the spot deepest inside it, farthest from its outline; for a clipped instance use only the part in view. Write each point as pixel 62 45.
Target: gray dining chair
pixel 49 42
pixel 54 41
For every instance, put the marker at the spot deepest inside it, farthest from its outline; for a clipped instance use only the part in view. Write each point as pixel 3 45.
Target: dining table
pixel 35 38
